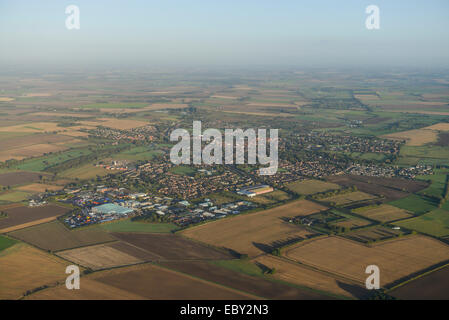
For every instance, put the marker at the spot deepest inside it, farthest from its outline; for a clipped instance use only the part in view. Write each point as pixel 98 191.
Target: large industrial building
pixel 255 190
pixel 111 209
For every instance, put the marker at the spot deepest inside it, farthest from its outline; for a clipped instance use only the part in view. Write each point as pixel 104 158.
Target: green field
pixel 41 163
pixel 415 203
pixel 435 223
pixel 130 226
pixel 241 266
pixel 14 196
pixel 6 242
pixel 438 183
pixel 136 105
pixel 308 187
pixel 138 153
pixel 427 155
pixel 183 170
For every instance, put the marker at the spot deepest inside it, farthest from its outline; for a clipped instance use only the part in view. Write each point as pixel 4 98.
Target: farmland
pixel 21 216
pixel 416 204
pixel 27 269
pixel 396 258
pixel 55 236
pixel 435 223
pixel 144 282
pixel 15 178
pixel 254 233
pixel 383 213
pixel 348 198
pixel 429 287
pixel 308 187
pixel 130 226
pixel 257 285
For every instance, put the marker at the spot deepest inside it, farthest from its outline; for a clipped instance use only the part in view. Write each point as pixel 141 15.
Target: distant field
pixel 40 164
pixel 396 258
pixel 435 223
pixel 347 198
pixel 87 171
pixel 20 216
pixel 120 124
pixel 438 183
pixel 14 196
pixel 138 153
pixel 415 203
pixel 39 187
pixel 54 236
pixel 416 137
pixel 183 170
pixel 427 154
pixel 308 187
pixel 383 213
pixel 254 233
pixel 28 268
pixel 143 282
pixel 15 178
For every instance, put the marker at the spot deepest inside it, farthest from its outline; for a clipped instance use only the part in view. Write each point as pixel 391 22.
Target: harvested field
pixel 122 124
pixel 34 127
pixel 257 232
pixel 347 198
pixel 143 282
pixel 396 258
pixel 21 217
pixel 383 213
pixel 369 235
pixel 430 287
pixel 252 284
pixel 389 188
pixel 443 126
pixel 416 137
pixel 308 187
pixel 34 150
pixel 171 247
pixel 98 257
pixel 28 268
pixel 39 187
pixel 300 275
pixel 14 178
pixel 32 139
pixel 55 236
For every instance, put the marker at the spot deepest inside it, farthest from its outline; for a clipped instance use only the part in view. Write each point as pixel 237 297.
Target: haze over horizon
pixel 233 33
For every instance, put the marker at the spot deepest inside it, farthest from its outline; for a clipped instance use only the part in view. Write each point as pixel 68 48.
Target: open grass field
pixel 437 183
pixel 171 247
pixel 14 196
pixel 183 170
pixel 55 236
pixel 138 153
pixel 396 258
pixel 427 155
pixel 435 223
pixel 383 213
pixel 41 163
pixel 6 242
pixel 347 198
pixel 308 187
pixel 120 124
pixel 28 268
pixel 295 273
pixel 87 171
pixel 430 287
pixel 131 226
pixel 416 204
pixel 143 282
pixel 228 273
pixel 254 233
pixel 20 216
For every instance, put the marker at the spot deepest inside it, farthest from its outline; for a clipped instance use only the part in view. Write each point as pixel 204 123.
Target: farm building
pixel 111 208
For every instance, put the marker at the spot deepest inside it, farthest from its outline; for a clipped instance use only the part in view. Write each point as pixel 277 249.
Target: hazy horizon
pixel 233 33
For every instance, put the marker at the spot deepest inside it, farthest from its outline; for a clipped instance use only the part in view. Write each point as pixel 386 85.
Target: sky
pixel 314 33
